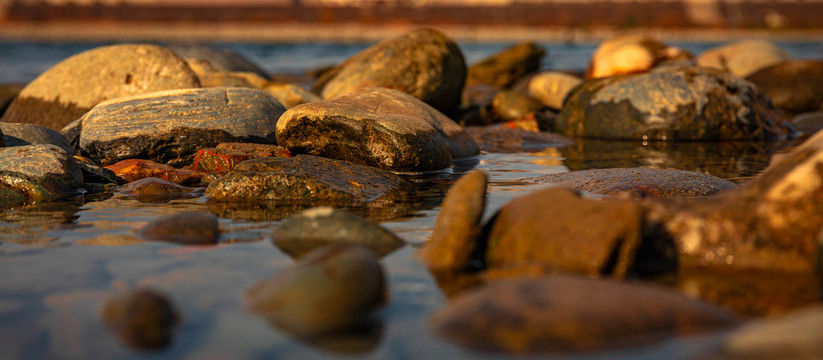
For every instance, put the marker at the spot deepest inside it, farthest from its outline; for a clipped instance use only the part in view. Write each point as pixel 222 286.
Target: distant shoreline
pixel 69 31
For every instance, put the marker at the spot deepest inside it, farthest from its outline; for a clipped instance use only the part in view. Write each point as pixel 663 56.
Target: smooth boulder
pixel 504 68
pixel 183 228
pixel 143 318
pixel 170 126
pixel 40 173
pixel 67 90
pixel 630 54
pixel 639 182
pixel 743 58
pixel 20 134
pixel 795 86
pixel 222 59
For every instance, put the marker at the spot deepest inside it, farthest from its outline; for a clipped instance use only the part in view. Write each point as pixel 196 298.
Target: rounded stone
pixel 504 68
pixel 639 182
pixel 630 54
pixel 512 105
pixel 223 157
pixel 425 64
pixel 183 229
pixel 291 95
pixel 743 58
pixel 222 59
pixel 795 85
pixel 136 169
pixel 809 123
pixel 67 90
pixel 152 189
pixel 552 87
pixel 504 139
pixel 42 172
pixel 19 134
pixel 144 319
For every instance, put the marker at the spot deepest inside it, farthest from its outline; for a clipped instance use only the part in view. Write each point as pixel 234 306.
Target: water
pixel 59 261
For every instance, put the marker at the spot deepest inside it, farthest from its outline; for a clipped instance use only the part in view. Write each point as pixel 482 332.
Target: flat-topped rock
pixel 639 182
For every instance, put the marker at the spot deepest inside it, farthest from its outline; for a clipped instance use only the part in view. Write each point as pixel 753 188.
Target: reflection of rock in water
pixel 735 161
pixel 29 224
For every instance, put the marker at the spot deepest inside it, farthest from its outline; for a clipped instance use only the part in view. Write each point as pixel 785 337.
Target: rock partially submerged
pixel 223 157
pixel 38 173
pixel 183 229
pixel 639 182
pixel 136 169
pixel 144 319
pixel 505 139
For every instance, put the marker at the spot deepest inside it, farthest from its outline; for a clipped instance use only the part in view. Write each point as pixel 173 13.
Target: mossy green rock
pixel 639 182
pixel 425 64
pixel 377 127
pixel 671 104
pixel 171 126
pixel 67 90
pixel 41 172
pixel 504 68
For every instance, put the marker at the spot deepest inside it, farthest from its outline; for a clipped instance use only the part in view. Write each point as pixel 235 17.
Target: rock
pixel 674 104
pixel 795 86
pixel 94 173
pixel 291 95
pixel 458 228
pixel 558 228
pixel 330 289
pixel 170 126
pixel 223 157
pixel 630 54
pixel 551 87
pixel 152 189
pixel 136 169
pixel 144 319
pixel 378 127
pixel 303 177
pixel 42 173
pixel 503 69
pixel 563 314
pixel 512 105
pixel 424 63
pixel 321 226
pixel 67 90
pixel 639 182
pixel 808 123
pixel 7 94
pixel 221 59
pixel 503 139
pixel 798 335
pixel 476 106
pixel 210 76
pixel 183 229
pixel 30 134
pixel 743 58
pixel 10 196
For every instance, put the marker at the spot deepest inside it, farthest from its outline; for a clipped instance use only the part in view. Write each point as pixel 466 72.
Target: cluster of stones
pixel 155 123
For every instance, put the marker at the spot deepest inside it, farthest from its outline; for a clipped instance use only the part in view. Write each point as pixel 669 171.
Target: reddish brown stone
pixel 225 156
pixel 136 169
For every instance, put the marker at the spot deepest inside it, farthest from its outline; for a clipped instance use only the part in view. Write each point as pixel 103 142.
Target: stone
pixel 152 189
pixel 797 335
pixel 291 95
pixel 143 318
pixel 20 134
pixel 135 169
pixel 183 229
pixel 504 68
pixel 552 87
pixel 7 94
pixel 377 127
pixel 10 196
pixel 170 126
pixel 67 90
pixel 630 54
pixel 639 182
pixel 795 86
pixel 562 315
pixel 223 157
pixel 743 58
pixel 221 59
pixel 321 226
pixel 674 104
pixel 558 228
pixel 808 123
pixel 503 139
pixel 302 178
pixel 458 228
pixel 96 174
pixel 513 105
pixel 42 173
pixel 331 289
pixel 210 76
pixel 424 63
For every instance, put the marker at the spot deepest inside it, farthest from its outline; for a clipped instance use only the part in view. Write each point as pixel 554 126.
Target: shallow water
pixel 59 261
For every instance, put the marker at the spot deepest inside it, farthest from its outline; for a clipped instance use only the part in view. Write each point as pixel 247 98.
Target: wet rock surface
pixel 223 157
pixel 795 86
pixel 72 87
pixel 136 169
pixel 502 139
pixel 169 127
pixel 41 173
pixel 639 182
pixel 563 314
pixel 19 134
pixel 743 58
pixel 144 319
pixel 152 189
pixel 672 104
pixel 504 68
pixel 377 127
pixel 321 226
pixel 183 229
pixel 424 64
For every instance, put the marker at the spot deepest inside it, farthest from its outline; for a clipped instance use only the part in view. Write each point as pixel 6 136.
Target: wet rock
pixel 303 177
pixel 562 314
pixel 743 58
pixel 223 157
pixel 476 106
pixel 330 289
pixel 42 173
pixel 30 134
pixel 136 169
pixel 808 123
pixel 499 139
pixel 674 104
pixel 96 174
pixel 67 90
pixel 10 196
pixel 291 95
pixel 503 69
pixel 551 87
pixel 378 127
pixel 639 182
pixel 144 319
pixel 798 335
pixel 221 59
pixel 630 54
pixel 458 228
pixel 557 227
pixel 152 189
pixel 512 105
pixel 424 64
pixel 795 86
pixel 183 229
pixel 321 226
pixel 7 94
pixel 170 126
